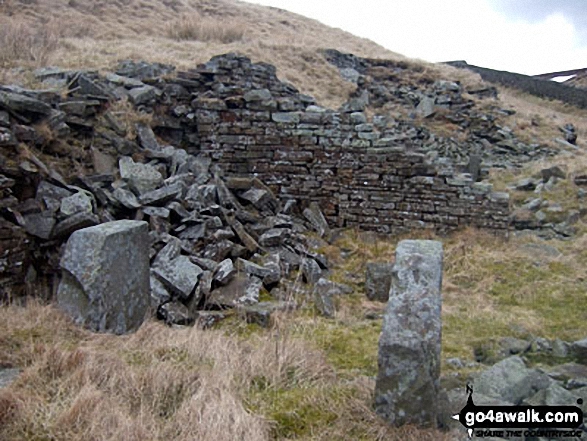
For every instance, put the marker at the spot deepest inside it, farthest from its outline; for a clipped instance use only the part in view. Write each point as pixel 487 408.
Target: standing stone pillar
pixel 407 387
pixel 105 284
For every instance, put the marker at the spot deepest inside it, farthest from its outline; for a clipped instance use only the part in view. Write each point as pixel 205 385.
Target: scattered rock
pixel 207 319
pixel 224 272
pixel 316 218
pixel 579 351
pixel 553 395
pixel 273 237
pixel 74 223
pixel 179 275
pixel 552 172
pixel 311 270
pixel 580 180
pixel 77 203
pixel 324 292
pixel 260 313
pixel 251 292
pixel 511 346
pixel 141 178
pixel 142 95
pixel 175 313
pixel 573 374
pixel 511 381
pixel 570 133
pixel 426 107
pixel 19 103
pixel 526 184
pixel 147 138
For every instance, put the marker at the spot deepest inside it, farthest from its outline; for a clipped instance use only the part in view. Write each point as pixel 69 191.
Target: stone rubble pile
pixel 249 122
pixel 214 242
pixel 478 132
pixel 539 215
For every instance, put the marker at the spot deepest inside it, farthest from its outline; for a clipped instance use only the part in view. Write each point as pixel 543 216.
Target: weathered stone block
pixel 407 387
pixel 378 281
pixel 105 284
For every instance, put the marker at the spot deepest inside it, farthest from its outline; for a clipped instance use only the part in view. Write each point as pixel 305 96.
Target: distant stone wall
pixel 533 86
pixel 251 123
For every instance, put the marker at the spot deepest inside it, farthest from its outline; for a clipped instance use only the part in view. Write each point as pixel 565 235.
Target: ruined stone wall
pixel 356 178
pixel 251 123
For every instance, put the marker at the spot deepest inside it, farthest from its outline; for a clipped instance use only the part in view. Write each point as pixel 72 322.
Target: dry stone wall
pixel 249 122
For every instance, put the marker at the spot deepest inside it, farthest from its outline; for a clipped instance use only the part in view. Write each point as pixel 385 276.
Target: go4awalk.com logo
pixel 516 421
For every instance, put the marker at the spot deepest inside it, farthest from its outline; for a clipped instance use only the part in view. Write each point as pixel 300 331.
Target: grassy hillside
pixel 307 377
pixel 96 34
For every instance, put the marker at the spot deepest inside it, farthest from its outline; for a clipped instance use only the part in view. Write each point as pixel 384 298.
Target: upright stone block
pixel 378 281
pixel 407 387
pixel 105 284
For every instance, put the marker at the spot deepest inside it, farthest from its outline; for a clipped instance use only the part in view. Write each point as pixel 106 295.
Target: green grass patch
pixel 514 297
pixel 350 347
pixel 299 412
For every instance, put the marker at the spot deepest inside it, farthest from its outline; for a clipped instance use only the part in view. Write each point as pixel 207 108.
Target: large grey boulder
pixel 105 284
pixel 511 381
pixel 408 386
pixel 378 281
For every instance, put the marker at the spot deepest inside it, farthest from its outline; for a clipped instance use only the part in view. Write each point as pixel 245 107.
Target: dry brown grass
pixel 492 288
pixel 305 378
pixel 537 120
pixel 20 41
pixel 156 384
pixel 195 27
pixel 187 384
pixel 96 34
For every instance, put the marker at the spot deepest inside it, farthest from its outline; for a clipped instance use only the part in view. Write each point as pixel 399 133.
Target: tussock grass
pixel 198 28
pixel 156 384
pixel 495 289
pixel 187 384
pixel 492 288
pixel 305 378
pixel 21 41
